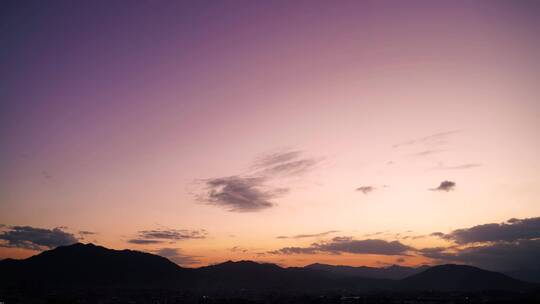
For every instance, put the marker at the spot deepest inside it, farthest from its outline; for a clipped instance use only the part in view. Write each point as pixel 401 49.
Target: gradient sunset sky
pixel 292 132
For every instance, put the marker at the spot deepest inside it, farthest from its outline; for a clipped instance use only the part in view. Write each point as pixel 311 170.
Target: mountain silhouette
pixel 394 272
pixel 249 275
pixel 90 265
pixel 252 275
pixel 87 266
pixel 531 274
pixel 453 277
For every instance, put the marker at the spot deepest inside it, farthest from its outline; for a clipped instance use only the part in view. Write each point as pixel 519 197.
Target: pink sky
pixel 159 116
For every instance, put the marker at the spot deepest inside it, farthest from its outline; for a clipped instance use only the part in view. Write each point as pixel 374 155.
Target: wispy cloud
pixel 436 144
pixel 441 166
pixel 35 238
pixel 252 191
pixel 432 140
pixel 301 236
pixel 84 234
pixel 269 160
pixel 280 164
pixel 295 250
pixel 238 249
pixel 375 233
pixel 428 152
pixel 144 241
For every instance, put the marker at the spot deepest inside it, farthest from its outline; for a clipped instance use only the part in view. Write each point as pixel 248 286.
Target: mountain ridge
pixel 454 277
pixel 90 266
pixel 395 272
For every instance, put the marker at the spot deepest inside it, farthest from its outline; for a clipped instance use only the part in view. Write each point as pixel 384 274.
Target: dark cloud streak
pixel 511 230
pixel 500 256
pixel 32 238
pixel 144 241
pixel 511 245
pixel 148 237
pixel 340 245
pixel 300 236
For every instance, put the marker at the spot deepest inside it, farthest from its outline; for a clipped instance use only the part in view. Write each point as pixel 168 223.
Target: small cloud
pixel 445 186
pixel 365 189
pixel 38 239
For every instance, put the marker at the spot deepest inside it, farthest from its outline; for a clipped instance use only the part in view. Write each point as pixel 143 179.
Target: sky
pixel 291 132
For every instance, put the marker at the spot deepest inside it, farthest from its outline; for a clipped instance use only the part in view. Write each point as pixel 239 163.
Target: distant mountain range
pixel 87 266
pixel 394 272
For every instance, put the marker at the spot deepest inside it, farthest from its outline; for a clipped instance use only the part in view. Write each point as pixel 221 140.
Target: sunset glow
pixel 292 132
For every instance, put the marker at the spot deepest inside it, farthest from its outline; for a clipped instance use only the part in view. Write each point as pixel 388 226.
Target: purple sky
pixel 242 121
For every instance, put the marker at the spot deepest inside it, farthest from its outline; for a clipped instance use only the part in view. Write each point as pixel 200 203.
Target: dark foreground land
pixel 169 297
pixel 85 273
